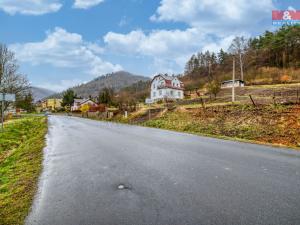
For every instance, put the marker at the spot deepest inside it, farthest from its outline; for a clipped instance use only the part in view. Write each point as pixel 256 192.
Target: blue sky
pixel 61 43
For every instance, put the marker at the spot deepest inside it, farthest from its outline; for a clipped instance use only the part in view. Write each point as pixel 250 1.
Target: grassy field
pixel 261 94
pixel 278 125
pixel 21 156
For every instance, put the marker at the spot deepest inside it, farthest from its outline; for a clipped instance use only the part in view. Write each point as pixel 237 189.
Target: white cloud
pixel 85 4
pixel 30 7
pixel 215 15
pixel 169 49
pixel 212 25
pixel 62 49
pixel 161 43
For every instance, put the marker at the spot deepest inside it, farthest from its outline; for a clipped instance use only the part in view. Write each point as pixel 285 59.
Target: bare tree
pixel 10 80
pixel 238 47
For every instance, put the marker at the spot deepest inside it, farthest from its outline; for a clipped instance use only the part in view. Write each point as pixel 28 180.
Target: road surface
pixel 104 173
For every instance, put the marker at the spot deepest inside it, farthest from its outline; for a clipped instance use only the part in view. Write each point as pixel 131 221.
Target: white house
pixel 78 103
pixel 230 83
pixel 165 87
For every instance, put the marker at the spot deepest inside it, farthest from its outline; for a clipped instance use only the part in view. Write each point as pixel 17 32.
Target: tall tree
pixel 106 96
pixel 68 98
pixel 222 56
pixel 238 47
pixel 25 102
pixel 11 81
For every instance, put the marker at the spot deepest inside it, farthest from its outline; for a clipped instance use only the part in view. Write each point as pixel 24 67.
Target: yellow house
pixel 52 104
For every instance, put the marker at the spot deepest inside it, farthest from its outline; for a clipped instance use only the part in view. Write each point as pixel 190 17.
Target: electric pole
pixel 233 80
pixel 242 69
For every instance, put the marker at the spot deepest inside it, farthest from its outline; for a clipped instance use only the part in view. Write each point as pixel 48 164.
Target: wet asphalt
pixel 105 173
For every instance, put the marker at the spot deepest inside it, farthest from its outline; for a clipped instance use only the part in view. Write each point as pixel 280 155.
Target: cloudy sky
pixel 61 43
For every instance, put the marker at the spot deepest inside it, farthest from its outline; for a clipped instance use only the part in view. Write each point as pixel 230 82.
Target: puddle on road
pixel 123 187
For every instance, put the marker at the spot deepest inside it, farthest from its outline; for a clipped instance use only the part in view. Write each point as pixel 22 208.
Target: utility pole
pixel 233 80
pixel 242 69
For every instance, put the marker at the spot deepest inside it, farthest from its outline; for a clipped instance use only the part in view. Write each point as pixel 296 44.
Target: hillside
pixel 40 93
pixel 116 81
pixel 271 58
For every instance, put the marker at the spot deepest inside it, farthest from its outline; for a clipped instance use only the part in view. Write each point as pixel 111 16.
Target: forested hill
pixel 115 81
pixel 40 93
pixel 273 57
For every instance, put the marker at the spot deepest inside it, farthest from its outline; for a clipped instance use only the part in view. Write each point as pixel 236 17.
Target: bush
pixel 285 78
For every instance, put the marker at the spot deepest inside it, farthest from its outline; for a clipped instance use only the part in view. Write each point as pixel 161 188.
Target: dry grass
pixel 273 125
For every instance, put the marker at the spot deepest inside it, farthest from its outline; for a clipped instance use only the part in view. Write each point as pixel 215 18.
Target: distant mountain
pixel 40 93
pixel 116 81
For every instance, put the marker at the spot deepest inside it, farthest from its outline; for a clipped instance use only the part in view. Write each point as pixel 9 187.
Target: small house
pixel 51 104
pixel 165 87
pixel 79 103
pixel 231 83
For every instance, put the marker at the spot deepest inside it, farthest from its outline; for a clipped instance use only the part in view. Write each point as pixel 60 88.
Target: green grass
pixel 21 156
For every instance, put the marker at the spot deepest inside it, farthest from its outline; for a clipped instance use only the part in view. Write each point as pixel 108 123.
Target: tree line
pixel 280 49
pixel 126 97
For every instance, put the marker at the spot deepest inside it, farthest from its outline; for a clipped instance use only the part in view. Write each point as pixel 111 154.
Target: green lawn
pixel 21 157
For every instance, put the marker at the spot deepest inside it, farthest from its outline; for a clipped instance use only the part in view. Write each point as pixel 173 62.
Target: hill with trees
pixel 271 58
pixel 115 81
pixel 40 93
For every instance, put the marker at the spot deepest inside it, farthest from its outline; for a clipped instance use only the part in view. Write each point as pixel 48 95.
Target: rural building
pixel 165 87
pixel 51 104
pixel 78 103
pixel 230 83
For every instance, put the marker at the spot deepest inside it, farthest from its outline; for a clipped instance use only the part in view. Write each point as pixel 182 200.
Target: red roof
pixel 168 80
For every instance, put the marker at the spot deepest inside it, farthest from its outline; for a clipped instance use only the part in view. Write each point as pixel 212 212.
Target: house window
pixel 154 86
pixel 154 94
pixel 171 92
pixel 160 92
pixel 179 93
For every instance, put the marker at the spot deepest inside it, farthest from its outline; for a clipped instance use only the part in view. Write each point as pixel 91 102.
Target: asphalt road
pixel 168 178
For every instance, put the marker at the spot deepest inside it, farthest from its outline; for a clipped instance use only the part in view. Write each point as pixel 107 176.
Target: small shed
pixel 231 83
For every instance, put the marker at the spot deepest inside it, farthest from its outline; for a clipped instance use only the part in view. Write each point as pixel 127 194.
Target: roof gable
pixel 165 77
pixel 87 100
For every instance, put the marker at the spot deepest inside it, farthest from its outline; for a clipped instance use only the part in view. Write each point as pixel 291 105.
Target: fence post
pixel 202 103
pixel 274 96
pixel 252 101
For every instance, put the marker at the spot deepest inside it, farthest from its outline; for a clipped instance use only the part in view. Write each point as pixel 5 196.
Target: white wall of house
pixel 160 91
pixel 230 84
pixel 166 93
pixel 78 104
